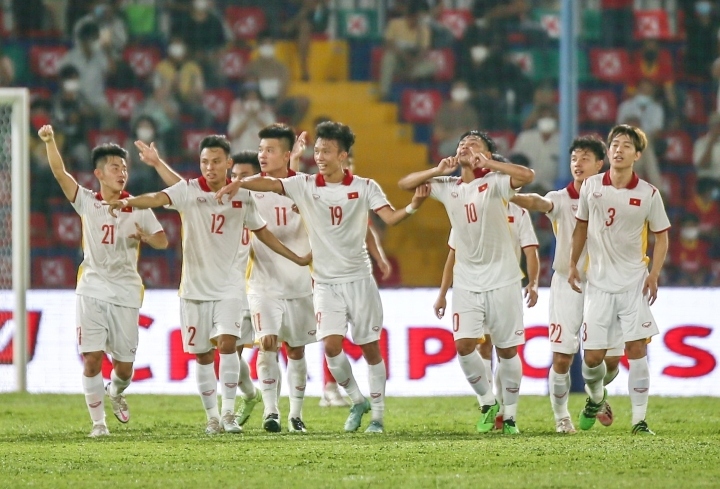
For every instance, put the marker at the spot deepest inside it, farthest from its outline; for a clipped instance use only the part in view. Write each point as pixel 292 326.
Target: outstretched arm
pixel 144 201
pixel 67 183
pixel 445 283
pixel 414 180
pixel 297 151
pixel 150 156
pixel 532 261
pixel 256 184
pixel 392 217
pixel 533 202
pixel 579 238
pixel 269 240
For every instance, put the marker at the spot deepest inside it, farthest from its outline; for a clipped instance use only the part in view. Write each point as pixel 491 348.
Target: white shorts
pixel 203 321
pixel 612 319
pixel 357 303
pixel 291 320
pixel 247 335
pixel 102 326
pixel 497 312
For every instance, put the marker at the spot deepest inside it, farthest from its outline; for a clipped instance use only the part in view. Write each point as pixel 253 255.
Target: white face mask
pixel 703 8
pixel 252 105
pixel 643 99
pixel 546 125
pixel 145 134
pixel 201 5
pixel 690 234
pixel 176 50
pixel 460 94
pixel 266 51
pixel 71 85
pixel 479 53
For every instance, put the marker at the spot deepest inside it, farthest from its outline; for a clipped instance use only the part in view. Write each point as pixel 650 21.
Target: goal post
pixel 15 163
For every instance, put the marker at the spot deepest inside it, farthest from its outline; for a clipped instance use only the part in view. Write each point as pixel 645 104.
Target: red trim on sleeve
pixel 77 189
pixel 382 207
pixel 283 186
pixel 259 229
pixel 662 231
pixel 450 247
pixel 163 192
pixel 530 246
pixel 581 220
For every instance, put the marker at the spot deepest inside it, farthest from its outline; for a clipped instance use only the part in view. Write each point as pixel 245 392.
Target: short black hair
pixel 636 135
pixel 336 131
pixel 491 146
pixel 280 131
pixel 68 71
pixel 590 143
pixel 87 30
pixel 100 153
pixel 247 158
pixel 215 141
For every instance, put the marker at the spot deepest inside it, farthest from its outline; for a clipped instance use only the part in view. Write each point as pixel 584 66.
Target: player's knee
pixel 92 364
pixel 269 342
pixel 205 358
pixel 371 352
pixel 593 358
pixel 485 350
pixel 562 362
pixel 333 345
pixel 124 370
pixel 636 349
pixel 465 346
pixel 506 353
pixel 612 363
pixel 295 353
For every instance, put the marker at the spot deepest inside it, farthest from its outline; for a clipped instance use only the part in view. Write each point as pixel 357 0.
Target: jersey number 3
pixel 611 216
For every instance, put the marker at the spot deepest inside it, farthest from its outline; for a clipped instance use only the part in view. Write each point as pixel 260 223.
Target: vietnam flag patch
pixel 483 187
pixel 126 209
pixel 511 219
pixel 635 202
pixel 237 204
pixel 353 195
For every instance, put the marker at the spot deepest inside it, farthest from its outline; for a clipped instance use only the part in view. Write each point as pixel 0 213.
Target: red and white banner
pixel 418 347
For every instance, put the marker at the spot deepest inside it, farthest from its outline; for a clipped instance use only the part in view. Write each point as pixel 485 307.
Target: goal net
pixel 14 232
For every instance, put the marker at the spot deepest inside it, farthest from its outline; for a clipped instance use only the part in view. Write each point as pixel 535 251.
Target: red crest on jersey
pixel 483 187
pixel 353 195
pixel 635 202
pixel 237 204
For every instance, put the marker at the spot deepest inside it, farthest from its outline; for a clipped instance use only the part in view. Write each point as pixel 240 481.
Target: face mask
pixel 690 234
pixel 176 50
pixel 703 8
pixel 460 94
pixel 145 134
pixel 546 125
pixel 643 99
pixel 266 51
pixel 252 105
pixel 71 85
pixel 715 193
pixel 201 5
pixel 479 53
pixel 100 10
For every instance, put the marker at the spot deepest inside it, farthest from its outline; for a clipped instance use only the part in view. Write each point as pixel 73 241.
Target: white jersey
pixel 562 216
pixel 108 271
pixel 478 212
pixel 336 215
pixel 269 274
pixel 214 257
pixel 618 222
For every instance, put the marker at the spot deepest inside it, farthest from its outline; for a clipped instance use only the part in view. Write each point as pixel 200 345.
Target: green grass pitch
pixel 430 443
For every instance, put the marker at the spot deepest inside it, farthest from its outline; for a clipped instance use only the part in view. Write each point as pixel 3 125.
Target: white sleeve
pixel 554 197
pixel 294 187
pixel 451 239
pixel 658 218
pixel 178 194
pixel 699 150
pixel 376 197
pixel 252 219
pixel 583 211
pixel 148 221
pixel 502 186
pixel 82 196
pixel 440 187
pixel 526 232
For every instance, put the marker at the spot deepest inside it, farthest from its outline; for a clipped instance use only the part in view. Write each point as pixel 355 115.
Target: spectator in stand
pixel 690 257
pixel 94 66
pixel 706 151
pixel 541 146
pixel 71 116
pixel 7 69
pixel 273 79
pixel 704 205
pixel 656 65
pixel 500 17
pixel 204 35
pixel 643 103
pixel 702 22
pixel 248 115
pixel 543 96
pixel 455 117
pixel 42 187
pixel 618 21
pixel 407 41
pixel 142 177
pixel 164 110
pixel 308 17
pixel 647 167
pixel 185 79
pixel 30 17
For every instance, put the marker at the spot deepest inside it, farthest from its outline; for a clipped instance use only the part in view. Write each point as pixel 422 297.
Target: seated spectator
pixel 644 104
pixel 164 110
pixel 690 256
pixel 704 205
pixel 407 41
pixel 655 65
pixel 248 115
pixel 500 16
pixel 455 117
pixel 143 178
pixel 273 79
pixel 647 167
pixel 543 96
pixel 73 115
pixel 7 69
pixel 706 151
pixel 702 21
pixel 541 146
pixel 185 79
pixel 94 66
pixel 310 17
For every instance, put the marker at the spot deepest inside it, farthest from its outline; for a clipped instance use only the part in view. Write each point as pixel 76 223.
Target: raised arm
pixel 579 238
pixel 297 151
pixel 532 261
pixel 519 175
pixel 393 216
pixel 533 202
pixel 445 283
pixel 375 248
pixel 414 180
pixel 67 183
pixel 144 201
pixel 271 241
pixel 254 183
pixel 662 243
pixel 150 156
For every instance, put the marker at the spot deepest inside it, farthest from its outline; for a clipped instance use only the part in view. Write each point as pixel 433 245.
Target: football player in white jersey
pixel 487 293
pixel 616 210
pixel 109 289
pixel 527 244
pixel 587 155
pixel 334 205
pixel 212 281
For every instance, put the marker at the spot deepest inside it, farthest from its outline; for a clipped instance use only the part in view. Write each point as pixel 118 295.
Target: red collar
pixel 347 179
pixel 631 185
pixel 481 172
pixel 123 195
pixel 206 188
pixel 571 191
pixel 291 173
